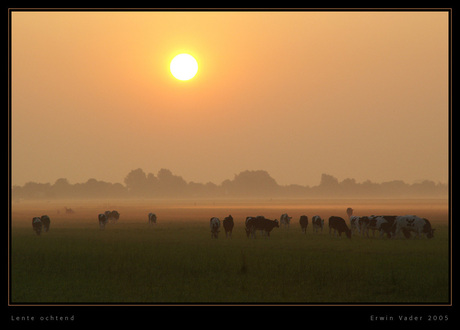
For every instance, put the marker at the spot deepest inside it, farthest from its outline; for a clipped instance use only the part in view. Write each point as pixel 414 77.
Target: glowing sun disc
pixel 183 67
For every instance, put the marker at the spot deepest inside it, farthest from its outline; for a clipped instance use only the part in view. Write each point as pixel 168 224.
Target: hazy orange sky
pixel 359 95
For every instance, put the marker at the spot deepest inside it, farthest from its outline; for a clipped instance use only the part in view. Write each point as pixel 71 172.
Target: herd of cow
pixel 392 226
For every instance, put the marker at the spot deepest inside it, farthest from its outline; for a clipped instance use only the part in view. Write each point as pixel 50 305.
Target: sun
pixel 183 66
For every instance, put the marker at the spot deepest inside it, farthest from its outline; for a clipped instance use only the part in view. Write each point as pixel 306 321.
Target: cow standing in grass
pixel 228 226
pixel 303 223
pixel 102 220
pixel 412 223
pixel 37 225
pixel 113 216
pixel 285 220
pixel 214 224
pixel 338 225
pixel 364 223
pixel 260 223
pixel 317 223
pixel 152 218
pixel 248 225
pixel 46 223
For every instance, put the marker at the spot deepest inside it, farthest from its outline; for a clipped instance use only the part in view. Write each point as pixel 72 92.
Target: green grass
pixel 178 262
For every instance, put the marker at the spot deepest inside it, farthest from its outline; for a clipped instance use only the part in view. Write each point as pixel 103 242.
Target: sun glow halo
pixel 183 67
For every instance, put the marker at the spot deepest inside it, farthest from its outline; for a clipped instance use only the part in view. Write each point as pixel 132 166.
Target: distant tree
pixel 62 188
pixel 170 184
pixel 328 181
pixel 256 183
pixel 136 182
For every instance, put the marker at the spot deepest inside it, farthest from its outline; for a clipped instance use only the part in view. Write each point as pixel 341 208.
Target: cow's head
pixel 276 223
pixel 348 233
pixel 430 234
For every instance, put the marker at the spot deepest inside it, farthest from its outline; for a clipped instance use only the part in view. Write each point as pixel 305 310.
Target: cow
pixel 228 226
pixel 285 220
pixel 338 224
pixel 37 225
pixel 354 224
pixel 102 220
pixel 412 223
pixel 214 224
pixel 260 223
pixel 363 223
pixel 317 223
pixel 113 216
pixel 303 223
pixel 152 218
pixel 382 223
pixel 46 222
pixel 248 223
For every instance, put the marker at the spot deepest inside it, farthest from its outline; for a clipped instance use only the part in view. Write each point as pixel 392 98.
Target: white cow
pixel 415 224
pixel 152 218
pixel 214 224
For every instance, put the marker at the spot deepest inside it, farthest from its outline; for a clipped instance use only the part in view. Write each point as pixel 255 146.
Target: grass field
pixel 176 261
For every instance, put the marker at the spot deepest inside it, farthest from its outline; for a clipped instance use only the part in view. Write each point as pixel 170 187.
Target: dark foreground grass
pixel 178 262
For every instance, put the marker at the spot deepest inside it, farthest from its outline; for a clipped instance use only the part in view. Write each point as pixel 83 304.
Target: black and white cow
pixel 102 220
pixel 214 224
pixel 354 224
pixel 285 220
pixel 248 224
pixel 317 223
pixel 303 223
pixel 37 225
pixel 46 222
pixel 412 223
pixel 363 223
pixel 383 223
pixel 228 226
pixel 152 218
pixel 339 225
pixel 260 223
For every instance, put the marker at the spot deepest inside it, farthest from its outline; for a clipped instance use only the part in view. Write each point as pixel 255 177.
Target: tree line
pixel 165 184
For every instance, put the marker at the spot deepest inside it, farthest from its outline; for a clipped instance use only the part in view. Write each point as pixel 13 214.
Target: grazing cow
pixel 317 223
pixel 382 223
pixel 260 223
pixel 102 220
pixel 303 223
pixel 214 224
pixel 152 218
pixel 46 223
pixel 37 225
pixel 412 223
pixel 285 220
pixel 338 224
pixel 228 226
